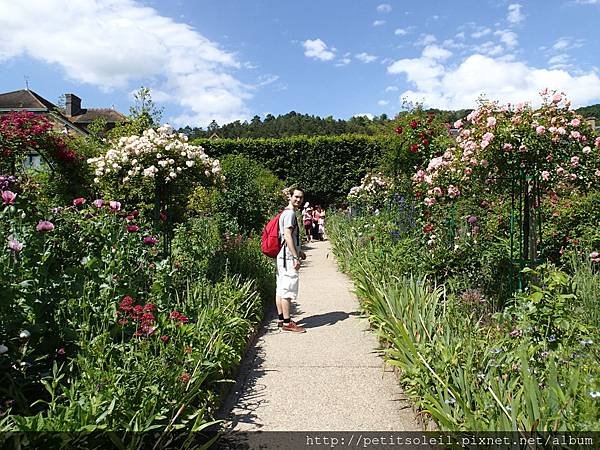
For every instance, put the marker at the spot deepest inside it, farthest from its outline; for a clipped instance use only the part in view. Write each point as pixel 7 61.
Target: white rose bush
pixel 159 154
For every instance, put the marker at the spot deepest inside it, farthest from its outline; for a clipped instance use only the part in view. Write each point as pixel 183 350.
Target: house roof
pixel 28 100
pixel 25 99
pixel 91 114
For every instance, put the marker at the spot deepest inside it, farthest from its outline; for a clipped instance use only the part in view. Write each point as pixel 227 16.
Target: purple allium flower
pixel 98 203
pixel 472 219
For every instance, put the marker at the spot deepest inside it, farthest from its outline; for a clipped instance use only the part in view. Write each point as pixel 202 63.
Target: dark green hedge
pixel 325 166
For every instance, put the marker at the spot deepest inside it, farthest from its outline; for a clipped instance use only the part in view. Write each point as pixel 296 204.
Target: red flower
pixel 78 201
pixel 133 228
pixel 163 216
pixel 137 312
pixel 179 317
pixel 149 307
pixel 135 213
pixel 150 240
pixel 428 228
pixel 414 148
pixel 123 321
pixel 129 218
pixel 185 377
pixel 399 130
pixel 126 304
pixel 425 142
pixel 413 124
pixel 165 338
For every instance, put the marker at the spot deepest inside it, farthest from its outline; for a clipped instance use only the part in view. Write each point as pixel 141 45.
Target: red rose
pixel 399 130
pixel 428 228
pixel 414 148
pixel 413 124
pixel 425 142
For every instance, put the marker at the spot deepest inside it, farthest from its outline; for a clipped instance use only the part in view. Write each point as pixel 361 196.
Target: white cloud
pixel 515 15
pixel 565 43
pixel 588 2
pixel 365 57
pixel 391 89
pixel 559 61
pixel 435 52
pixel 489 48
pixel 367 115
pixel 507 81
pixel 400 32
pixel 116 44
pixel 384 8
pixel 317 49
pixel 378 23
pixel 507 37
pixel 343 61
pixel 426 39
pixel 481 32
pixel 383 102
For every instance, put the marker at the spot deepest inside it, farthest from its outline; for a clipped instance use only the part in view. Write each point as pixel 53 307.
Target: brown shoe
pixel 293 327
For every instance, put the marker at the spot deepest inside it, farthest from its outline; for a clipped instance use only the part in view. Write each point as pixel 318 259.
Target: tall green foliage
pixel 326 167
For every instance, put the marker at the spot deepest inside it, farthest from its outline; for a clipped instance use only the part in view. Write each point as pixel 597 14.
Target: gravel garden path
pixel 330 378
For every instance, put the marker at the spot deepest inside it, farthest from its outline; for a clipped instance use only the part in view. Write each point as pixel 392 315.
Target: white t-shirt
pixel 288 220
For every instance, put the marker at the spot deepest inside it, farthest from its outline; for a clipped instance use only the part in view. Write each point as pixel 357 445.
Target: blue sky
pixel 233 59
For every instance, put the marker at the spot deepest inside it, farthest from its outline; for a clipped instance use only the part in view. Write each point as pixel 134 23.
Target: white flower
pixel 25 334
pixel 3 348
pixel 190 163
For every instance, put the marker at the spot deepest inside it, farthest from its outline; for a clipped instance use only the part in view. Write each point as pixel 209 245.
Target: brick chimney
pixel 73 105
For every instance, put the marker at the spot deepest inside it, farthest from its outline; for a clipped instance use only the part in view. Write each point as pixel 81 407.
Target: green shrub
pixel 251 195
pixel 325 166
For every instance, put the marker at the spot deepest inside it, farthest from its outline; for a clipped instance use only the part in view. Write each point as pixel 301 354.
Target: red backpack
pixel 270 244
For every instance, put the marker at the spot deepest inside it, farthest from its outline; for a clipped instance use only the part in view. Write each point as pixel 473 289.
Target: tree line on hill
pixel 295 124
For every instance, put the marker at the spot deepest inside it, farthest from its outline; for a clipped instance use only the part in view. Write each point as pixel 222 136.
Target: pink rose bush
pixel 373 189
pixel 498 142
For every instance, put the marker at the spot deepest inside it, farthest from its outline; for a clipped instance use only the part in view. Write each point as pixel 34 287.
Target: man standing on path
pixel 288 263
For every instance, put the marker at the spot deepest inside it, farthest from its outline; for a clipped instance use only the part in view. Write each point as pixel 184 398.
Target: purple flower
pixel 114 205
pixel 150 240
pixel 98 203
pixel 8 197
pixel 472 219
pixel 14 245
pixel 44 225
pixel 515 333
pixel 133 228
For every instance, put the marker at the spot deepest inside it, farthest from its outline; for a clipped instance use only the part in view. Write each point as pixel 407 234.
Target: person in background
pixel 315 223
pixel 307 219
pixel 321 224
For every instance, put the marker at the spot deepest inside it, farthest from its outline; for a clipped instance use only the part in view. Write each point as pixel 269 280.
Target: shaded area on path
pixel 331 378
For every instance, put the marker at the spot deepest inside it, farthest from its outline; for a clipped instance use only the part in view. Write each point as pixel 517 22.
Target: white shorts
pixel 287 279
